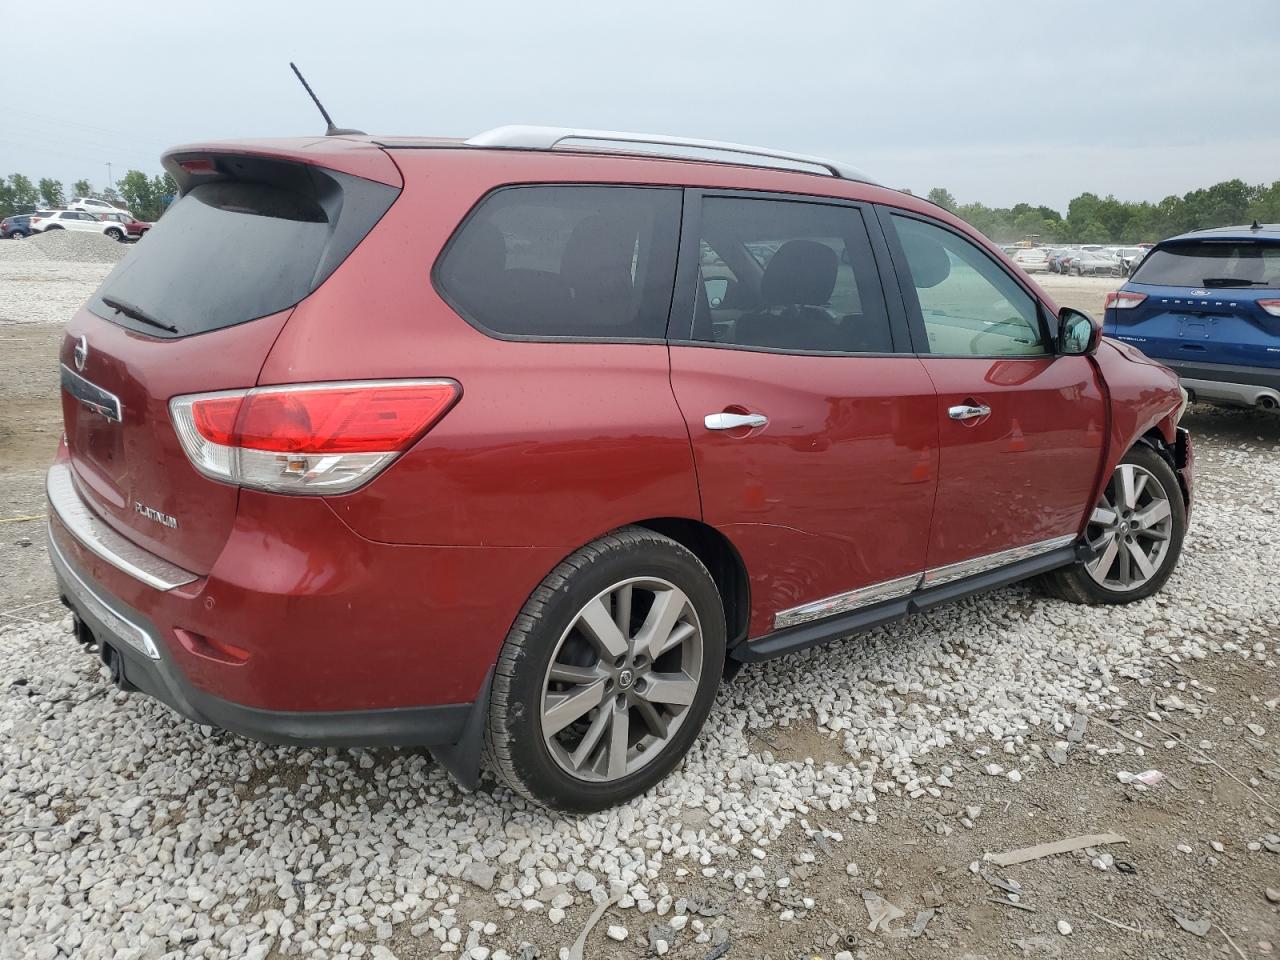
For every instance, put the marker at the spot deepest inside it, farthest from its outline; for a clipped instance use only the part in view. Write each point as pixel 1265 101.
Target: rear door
pixel 812 429
pixel 1021 430
pixel 196 312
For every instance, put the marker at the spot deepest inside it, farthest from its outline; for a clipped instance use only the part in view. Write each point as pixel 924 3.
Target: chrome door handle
pixel 966 412
pixel 732 421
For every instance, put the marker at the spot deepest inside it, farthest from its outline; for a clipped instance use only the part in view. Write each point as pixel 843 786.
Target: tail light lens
pixel 1123 300
pixel 322 438
pixel 1271 306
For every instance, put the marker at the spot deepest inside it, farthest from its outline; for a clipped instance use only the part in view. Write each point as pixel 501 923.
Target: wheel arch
pixel 723 562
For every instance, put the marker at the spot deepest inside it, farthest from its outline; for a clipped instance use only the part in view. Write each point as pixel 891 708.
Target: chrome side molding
pixel 847 601
pixel 904 586
pixel 968 568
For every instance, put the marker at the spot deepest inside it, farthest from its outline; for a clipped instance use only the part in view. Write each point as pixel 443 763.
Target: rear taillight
pixel 1123 300
pixel 1271 306
pixel 308 438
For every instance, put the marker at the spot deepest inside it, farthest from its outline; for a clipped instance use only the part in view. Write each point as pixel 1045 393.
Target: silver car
pixel 1096 263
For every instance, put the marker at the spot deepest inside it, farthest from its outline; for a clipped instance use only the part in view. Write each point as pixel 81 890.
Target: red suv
pixel 518 446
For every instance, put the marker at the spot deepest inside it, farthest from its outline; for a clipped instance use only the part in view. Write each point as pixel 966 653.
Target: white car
pixel 76 220
pixel 1031 259
pixel 93 205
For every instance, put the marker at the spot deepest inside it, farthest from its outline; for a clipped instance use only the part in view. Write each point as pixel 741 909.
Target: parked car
pixel 93 205
pixel 1031 259
pixel 1095 263
pixel 130 227
pixel 1132 263
pixel 1207 304
pixel 15 227
pixel 1126 256
pixel 455 444
pixel 73 220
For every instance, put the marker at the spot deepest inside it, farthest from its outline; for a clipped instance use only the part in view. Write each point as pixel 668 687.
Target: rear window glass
pixel 566 262
pixel 233 250
pixel 1212 263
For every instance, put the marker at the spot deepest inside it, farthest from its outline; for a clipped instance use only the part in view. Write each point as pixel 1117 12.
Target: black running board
pixel 805 635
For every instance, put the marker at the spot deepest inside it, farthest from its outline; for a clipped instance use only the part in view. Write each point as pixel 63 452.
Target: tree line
pixel 145 197
pixel 1094 219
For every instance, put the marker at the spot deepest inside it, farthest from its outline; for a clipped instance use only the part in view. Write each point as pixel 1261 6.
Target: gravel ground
pixel 44 278
pixel 825 787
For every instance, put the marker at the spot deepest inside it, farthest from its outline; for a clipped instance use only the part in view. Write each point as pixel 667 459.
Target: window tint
pixel 788 275
pixel 231 251
pixel 561 261
pixel 969 305
pixel 1212 263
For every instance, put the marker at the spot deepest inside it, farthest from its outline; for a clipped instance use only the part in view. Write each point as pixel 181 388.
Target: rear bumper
pixel 129 643
pixel 1248 386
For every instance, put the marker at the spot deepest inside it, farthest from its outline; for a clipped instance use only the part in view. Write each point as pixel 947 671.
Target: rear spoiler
pixel 192 164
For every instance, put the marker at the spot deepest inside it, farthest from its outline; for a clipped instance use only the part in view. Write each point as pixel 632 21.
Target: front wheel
pixel 1135 535
pixel 607 673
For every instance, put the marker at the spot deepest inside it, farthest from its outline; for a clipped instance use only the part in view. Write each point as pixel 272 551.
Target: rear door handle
pixel 732 421
pixel 968 412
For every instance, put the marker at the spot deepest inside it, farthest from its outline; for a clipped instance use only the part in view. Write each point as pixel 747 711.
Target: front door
pixel 813 428
pixel 1021 431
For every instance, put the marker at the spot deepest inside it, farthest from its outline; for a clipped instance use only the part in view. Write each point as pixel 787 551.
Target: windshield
pixel 1212 263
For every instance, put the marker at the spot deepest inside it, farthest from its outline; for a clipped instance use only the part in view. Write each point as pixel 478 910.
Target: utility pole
pixel 110 183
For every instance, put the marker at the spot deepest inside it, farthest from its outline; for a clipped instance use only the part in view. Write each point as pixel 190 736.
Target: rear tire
pixel 114 234
pixel 53 227
pixel 1136 532
pixel 608 673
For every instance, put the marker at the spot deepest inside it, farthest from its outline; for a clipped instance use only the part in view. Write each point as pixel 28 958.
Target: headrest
pixel 801 272
pixel 929 262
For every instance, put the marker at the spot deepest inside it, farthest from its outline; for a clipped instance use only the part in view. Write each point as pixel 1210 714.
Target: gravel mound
pixel 65 245
pixel 131 832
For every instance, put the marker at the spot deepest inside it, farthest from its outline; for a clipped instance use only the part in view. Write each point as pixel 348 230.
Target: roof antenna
pixel 331 130
pixel 1256 224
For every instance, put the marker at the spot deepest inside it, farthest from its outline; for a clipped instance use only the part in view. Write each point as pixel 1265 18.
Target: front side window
pixel 788 275
pixel 579 262
pixel 970 307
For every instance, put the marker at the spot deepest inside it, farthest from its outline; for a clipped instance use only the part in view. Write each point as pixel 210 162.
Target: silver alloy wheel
pixel 1129 530
pixel 621 679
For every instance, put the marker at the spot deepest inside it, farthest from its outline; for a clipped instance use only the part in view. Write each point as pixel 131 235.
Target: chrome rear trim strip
pixel 844 602
pixel 120 626
pixel 91 395
pixel 95 535
pixel 968 568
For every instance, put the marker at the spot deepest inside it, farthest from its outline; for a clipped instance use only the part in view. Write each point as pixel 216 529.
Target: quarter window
pixel 566 262
pixel 788 275
pixel 970 307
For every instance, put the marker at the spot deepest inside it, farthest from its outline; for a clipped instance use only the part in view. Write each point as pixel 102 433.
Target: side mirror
pixel 1078 333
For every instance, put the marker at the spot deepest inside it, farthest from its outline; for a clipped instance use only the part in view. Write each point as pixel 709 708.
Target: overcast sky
pixel 999 102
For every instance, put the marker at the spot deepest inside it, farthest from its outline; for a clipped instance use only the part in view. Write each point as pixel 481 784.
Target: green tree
pixel 82 188
pixel 51 192
pixel 146 197
pixel 25 194
pixel 943 198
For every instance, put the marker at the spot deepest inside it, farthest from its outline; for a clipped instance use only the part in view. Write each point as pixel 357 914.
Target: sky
pixel 999 102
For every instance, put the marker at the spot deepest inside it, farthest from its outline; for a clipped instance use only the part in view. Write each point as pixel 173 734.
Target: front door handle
pixel 968 412
pixel 732 421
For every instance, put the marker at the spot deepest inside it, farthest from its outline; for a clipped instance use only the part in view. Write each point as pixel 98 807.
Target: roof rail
pixel 520 137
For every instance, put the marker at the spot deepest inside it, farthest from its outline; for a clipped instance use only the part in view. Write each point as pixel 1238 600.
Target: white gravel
pixel 45 278
pixel 133 833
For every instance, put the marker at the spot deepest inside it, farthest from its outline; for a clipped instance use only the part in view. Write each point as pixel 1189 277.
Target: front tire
pixel 607 674
pixel 1135 533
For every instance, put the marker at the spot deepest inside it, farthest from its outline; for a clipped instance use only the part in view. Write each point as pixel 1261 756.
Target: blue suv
pixel 1207 304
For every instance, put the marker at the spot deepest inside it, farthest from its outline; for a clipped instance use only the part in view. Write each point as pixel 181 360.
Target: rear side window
pixel 1212 263
pixel 579 262
pixel 235 250
pixel 788 275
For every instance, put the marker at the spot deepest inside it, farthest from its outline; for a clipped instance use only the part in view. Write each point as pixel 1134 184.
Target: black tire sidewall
pixel 536 768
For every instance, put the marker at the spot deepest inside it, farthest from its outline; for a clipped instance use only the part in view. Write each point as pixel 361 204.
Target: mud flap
pixel 463 759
